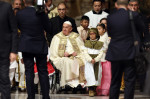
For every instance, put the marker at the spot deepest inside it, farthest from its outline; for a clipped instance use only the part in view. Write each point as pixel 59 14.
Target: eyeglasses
pixel 133 5
pixel 62 9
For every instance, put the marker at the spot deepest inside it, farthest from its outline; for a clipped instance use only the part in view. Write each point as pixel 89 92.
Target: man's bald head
pixel 122 2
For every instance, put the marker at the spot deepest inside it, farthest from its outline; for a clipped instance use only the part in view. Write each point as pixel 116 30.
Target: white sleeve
pixel 20 55
pixel 97 59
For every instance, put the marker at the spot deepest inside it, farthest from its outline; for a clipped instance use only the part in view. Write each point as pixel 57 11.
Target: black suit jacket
pixel 56 24
pixel 121 46
pixel 8 30
pixel 32 26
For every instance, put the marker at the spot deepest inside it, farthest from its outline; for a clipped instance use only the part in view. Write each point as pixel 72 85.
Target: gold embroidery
pixel 62 48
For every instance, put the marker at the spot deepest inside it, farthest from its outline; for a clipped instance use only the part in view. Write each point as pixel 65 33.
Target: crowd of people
pixel 97 56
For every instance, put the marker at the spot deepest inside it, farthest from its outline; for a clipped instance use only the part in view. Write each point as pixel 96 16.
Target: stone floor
pixel 23 95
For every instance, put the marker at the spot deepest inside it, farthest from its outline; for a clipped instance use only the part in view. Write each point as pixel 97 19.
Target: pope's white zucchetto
pixel 68 22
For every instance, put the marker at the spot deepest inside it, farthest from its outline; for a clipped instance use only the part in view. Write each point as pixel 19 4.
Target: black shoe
pixel 68 88
pixel 61 90
pixel 13 88
pixel 21 90
pixel 80 89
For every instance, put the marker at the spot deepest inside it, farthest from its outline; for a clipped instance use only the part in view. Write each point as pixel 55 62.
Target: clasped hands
pixel 66 54
pixel 93 61
pixel 12 57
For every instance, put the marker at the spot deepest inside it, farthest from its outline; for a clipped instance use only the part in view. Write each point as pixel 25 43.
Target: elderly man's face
pixel 17 4
pixel 66 29
pixel 62 10
pixel 97 6
pixel 133 6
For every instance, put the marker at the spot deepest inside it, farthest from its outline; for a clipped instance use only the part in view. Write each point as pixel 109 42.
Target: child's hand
pixel 66 54
pixel 93 61
pixel 74 54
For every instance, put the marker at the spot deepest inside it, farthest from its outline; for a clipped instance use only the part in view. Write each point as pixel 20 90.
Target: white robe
pixel 22 81
pixel 95 18
pixel 106 40
pixel 64 64
pixel 89 70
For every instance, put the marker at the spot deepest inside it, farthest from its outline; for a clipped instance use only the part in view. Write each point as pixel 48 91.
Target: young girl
pixel 103 89
pixel 93 53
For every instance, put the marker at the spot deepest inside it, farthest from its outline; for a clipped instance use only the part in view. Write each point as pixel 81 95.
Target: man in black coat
pixel 144 38
pixel 56 23
pixel 33 44
pixel 121 50
pixel 8 46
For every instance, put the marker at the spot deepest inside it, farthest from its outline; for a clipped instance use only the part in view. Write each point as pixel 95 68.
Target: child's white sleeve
pixel 97 59
pixel 86 56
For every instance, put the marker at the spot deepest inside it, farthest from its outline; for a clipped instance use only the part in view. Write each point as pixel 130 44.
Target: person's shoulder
pixel 87 43
pixel 135 13
pixel 113 13
pixel 99 43
pixel 5 4
pixel 21 11
pixel 88 13
pixel 54 9
pixel 79 28
pixel 104 13
pixel 58 35
pixel 54 18
pixel 74 34
pixel 69 19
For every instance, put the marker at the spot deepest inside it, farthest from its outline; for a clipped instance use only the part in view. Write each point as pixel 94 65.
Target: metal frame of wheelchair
pixel 54 80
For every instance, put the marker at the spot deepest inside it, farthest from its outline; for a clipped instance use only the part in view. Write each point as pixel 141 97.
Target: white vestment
pixel 106 40
pixel 89 70
pixel 95 18
pixel 66 64
pixel 22 81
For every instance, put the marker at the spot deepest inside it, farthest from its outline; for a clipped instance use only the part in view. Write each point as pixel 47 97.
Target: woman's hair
pixel 102 25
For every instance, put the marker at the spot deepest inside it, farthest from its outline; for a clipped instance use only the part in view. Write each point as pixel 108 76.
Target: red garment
pixel 103 89
pixel 50 68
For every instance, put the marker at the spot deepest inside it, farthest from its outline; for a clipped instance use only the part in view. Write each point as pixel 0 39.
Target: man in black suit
pixel 56 23
pixel 8 46
pixel 33 44
pixel 144 38
pixel 121 50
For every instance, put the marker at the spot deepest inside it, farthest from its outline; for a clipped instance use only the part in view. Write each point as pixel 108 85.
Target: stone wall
pixel 77 8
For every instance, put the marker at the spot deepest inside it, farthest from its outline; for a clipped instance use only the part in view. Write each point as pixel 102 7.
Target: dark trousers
pixel 41 61
pixel 117 69
pixel 4 79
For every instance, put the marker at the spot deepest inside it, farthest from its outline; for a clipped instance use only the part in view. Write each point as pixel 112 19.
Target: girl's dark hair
pixel 103 19
pixel 98 1
pixel 102 25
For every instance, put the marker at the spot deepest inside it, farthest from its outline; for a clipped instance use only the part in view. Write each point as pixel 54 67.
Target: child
pixel 83 28
pixel 104 21
pixel 93 53
pixel 106 65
